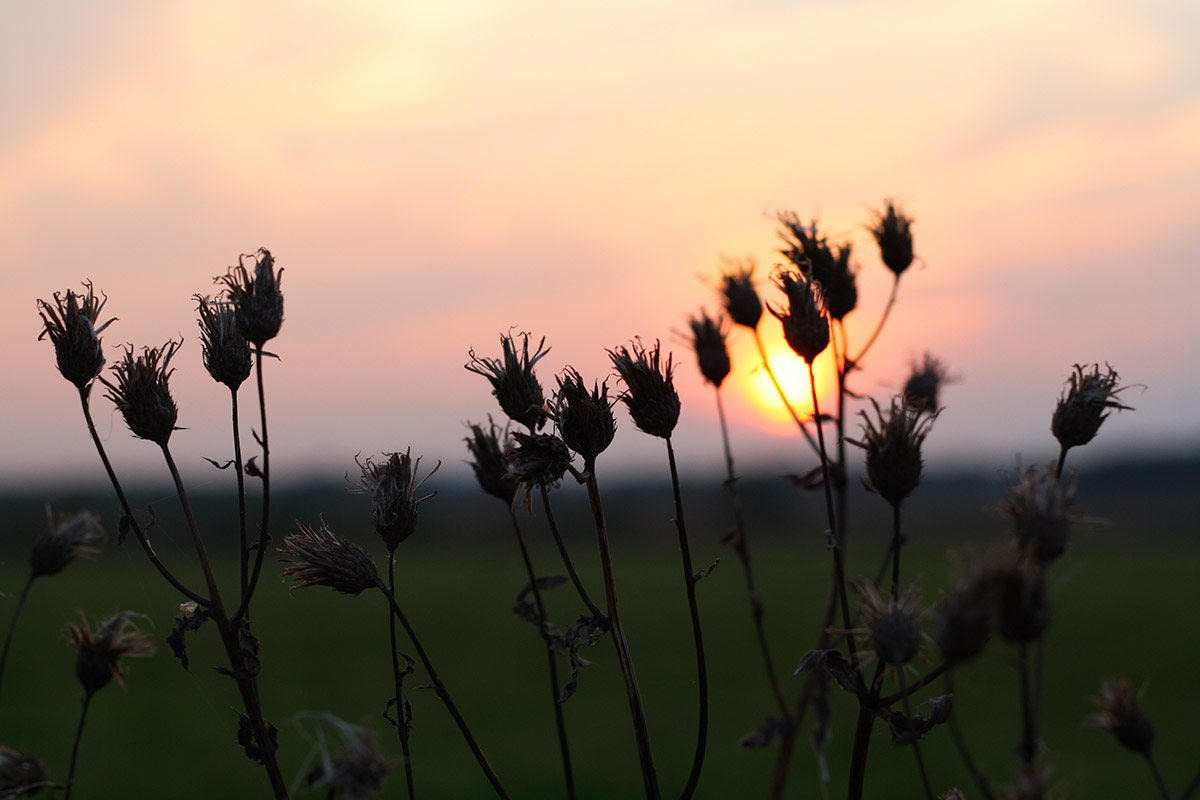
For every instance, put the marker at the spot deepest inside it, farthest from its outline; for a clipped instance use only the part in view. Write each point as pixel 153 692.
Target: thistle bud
pixel 22 774
pixel 66 538
pixel 712 352
pixel 141 393
pixel 225 350
pixel 649 388
pixel 99 652
pixel 1040 508
pixel 893 233
pixel 1084 405
pixel 72 323
pixel 1119 710
pixel 893 444
pixel 256 299
pixel 739 295
pixel 924 384
pixel 490 467
pixel 805 325
pixel 584 418
pixel 393 487
pixel 513 383
pixel 322 558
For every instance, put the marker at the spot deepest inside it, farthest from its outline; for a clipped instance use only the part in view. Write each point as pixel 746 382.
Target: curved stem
pixel 243 554
pixel 960 743
pixel 742 548
pixel 1158 778
pixel 689 577
pixel 401 716
pixel 916 744
pixel 766 362
pixel 593 609
pixel 559 722
pixel 264 535
pixel 12 626
pixel 440 688
pixel 87 699
pixel 128 510
pixel 887 309
pixel 624 658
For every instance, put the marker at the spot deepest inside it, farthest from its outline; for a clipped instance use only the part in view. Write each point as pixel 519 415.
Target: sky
pixel 430 175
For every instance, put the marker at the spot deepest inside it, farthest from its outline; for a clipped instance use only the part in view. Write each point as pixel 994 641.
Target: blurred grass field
pixel 1124 600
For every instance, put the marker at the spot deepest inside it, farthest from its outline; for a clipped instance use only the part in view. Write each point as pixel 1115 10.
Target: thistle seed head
pixel 893 629
pixel 99 652
pixel 649 387
pixel 810 252
pixel 319 557
pixel 393 487
pixel 538 459
pixel 141 393
pixel 73 325
pixel 712 352
pixel 584 417
pixel 741 300
pixel 892 230
pixel 963 624
pixel 357 772
pixel 893 443
pixel 22 774
pixel 513 383
pixel 67 537
pixel 805 324
pixel 1084 405
pixel 1040 507
pixel 257 300
pixel 1118 709
pixel 1022 603
pixel 923 387
pixel 225 351
pixel 490 449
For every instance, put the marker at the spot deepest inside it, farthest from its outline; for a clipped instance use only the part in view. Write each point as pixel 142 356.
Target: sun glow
pixel 755 388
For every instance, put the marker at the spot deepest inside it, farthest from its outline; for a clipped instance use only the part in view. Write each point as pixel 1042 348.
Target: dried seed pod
pixel 893 443
pixel 649 387
pixel 741 300
pixel 584 417
pixel 322 558
pixel 1040 507
pixel 141 392
pixel 922 390
pixel 225 351
pixel 892 628
pixel 513 383
pixel 257 300
pixel 810 252
pixel 490 449
pixel 99 652
pixel 72 323
pixel 892 230
pixel 538 459
pixel 1084 405
pixel 805 324
pixel 67 537
pixel 1119 710
pixel 393 487
pixel 712 351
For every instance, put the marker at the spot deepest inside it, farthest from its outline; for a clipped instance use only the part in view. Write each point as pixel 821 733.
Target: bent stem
pixel 87 700
pixel 742 548
pixel 401 716
pixel 632 690
pixel 440 688
pixel 690 578
pixel 559 722
pixel 887 309
pixel 593 609
pixel 12 626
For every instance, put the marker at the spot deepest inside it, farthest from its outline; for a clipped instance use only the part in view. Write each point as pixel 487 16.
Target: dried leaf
pixel 191 617
pixel 769 729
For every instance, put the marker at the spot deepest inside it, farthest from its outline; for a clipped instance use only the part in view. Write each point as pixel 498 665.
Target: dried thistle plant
pixel 225 351
pixel 73 325
pixel 393 487
pixel 649 392
pixel 805 323
pixel 1085 404
pixel 712 351
pixel 513 383
pixel 256 298
pixel 892 230
pixel 738 295
pixel 319 557
pixel 99 652
pixel 141 392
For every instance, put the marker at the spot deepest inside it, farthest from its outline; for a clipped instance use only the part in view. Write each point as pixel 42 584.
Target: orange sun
pixel 754 387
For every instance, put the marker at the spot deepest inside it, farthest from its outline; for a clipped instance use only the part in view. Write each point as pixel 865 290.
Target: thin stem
pixel 742 548
pixel 960 743
pixel 1062 459
pixel 1028 745
pixel 440 688
pixel 264 535
pixel 1158 778
pixel 633 692
pixel 401 716
pixel 1192 786
pixel 858 756
pixel 766 362
pixel 87 700
pixel 128 510
pixel 243 553
pixel 12 626
pixel 916 745
pixel 924 681
pixel 896 542
pixel 689 577
pixel 840 473
pixel 593 609
pixel 552 661
pixel 887 309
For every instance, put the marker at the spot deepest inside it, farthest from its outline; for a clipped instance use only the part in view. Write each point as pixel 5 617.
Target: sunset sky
pixel 431 174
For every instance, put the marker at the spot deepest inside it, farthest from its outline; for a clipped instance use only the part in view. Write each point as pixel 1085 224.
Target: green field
pixel 1123 604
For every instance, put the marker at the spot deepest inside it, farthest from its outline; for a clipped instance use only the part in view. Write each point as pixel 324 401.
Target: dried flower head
pixel 1039 505
pixel 1022 604
pixel 712 352
pixel 72 323
pixel 740 298
pixel 393 487
pixel 67 537
pixel 584 416
pixel 893 443
pixel 1118 709
pixel 257 300
pixel 322 558
pixel 538 459
pixel 22 774
pixel 490 448
pixel 649 387
pixel 893 628
pixel 810 252
pixel 141 393
pixel 224 349
pixel 923 387
pixel 805 324
pixel 513 382
pixel 963 624
pixel 892 230
pixel 1084 405
pixel 356 772
pixel 99 652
